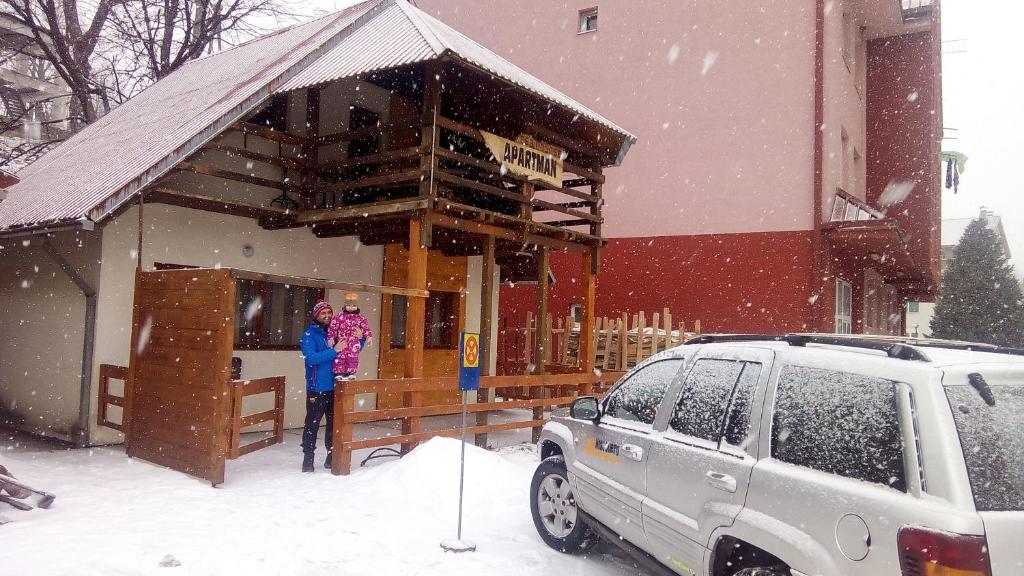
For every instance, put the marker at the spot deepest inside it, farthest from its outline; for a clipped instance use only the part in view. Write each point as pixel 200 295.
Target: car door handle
pixel 633 452
pixel 721 481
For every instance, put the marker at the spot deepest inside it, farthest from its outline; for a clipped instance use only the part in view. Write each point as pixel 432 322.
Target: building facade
pixel 786 174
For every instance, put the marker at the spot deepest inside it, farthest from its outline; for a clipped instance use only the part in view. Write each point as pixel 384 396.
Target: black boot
pixel 327 462
pixel 307 462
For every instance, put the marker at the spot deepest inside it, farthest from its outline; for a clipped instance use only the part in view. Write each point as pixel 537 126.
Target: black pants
pixel 318 404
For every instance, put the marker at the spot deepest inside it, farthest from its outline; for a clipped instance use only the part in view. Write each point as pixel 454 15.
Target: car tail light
pixel 925 552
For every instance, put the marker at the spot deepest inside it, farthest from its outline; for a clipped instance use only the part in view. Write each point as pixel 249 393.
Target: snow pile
pixel 116 515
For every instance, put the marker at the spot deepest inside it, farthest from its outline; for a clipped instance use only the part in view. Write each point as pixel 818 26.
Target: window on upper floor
pixel 588 20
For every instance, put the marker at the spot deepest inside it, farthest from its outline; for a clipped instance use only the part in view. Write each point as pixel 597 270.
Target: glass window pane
pixel 704 398
pixel 840 423
pixel 399 309
pixel 737 424
pixel 637 399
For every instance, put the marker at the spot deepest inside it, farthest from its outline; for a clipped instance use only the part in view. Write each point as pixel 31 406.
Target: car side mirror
pixel 585 408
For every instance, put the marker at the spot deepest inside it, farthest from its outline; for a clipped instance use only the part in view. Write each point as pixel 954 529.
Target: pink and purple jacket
pixel 343 328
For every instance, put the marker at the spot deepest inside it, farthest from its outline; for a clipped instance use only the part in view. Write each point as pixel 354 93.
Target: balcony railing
pixel 916 10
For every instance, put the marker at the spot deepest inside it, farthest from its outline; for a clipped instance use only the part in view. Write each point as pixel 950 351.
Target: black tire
pixel 560 525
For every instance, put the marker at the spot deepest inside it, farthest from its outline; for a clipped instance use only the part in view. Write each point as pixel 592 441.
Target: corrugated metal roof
pixel 403 34
pixel 102 166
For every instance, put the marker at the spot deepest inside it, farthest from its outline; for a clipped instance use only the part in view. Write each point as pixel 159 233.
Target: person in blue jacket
pixel 319 356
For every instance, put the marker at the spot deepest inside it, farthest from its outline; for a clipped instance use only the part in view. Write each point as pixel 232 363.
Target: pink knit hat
pixel 320 306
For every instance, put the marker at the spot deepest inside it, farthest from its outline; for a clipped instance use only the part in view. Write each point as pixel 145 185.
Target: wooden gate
pixel 177 399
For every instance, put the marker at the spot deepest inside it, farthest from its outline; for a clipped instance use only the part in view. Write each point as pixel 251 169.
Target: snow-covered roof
pixel 953 229
pixel 104 165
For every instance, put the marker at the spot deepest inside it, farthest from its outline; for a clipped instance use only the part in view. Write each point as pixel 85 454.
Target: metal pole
pixel 462 461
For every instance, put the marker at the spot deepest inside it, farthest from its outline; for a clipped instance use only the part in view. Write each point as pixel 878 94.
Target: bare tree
pixel 108 50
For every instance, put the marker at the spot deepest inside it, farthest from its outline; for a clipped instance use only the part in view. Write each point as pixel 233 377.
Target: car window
pixel 839 423
pixel 737 423
pixel 637 399
pixel 704 398
pixel 992 439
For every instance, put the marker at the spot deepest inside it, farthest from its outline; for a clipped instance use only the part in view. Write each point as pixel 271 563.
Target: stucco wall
pixel 181 236
pixel 720 95
pixel 845 94
pixel 42 326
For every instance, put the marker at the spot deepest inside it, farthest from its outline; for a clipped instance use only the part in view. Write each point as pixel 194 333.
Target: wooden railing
pixel 546 391
pixel 240 389
pixel 110 372
pixel 620 343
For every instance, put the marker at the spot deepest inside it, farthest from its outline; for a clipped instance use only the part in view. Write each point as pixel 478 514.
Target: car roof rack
pixel 898 350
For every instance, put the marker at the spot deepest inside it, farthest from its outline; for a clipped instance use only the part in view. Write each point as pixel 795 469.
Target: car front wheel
pixel 554 509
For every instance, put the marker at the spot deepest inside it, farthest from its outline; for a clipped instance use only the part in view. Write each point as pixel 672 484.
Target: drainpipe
pixel 81 434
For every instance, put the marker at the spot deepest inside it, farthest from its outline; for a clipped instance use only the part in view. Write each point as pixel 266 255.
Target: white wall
pixel 42 324
pixel 181 236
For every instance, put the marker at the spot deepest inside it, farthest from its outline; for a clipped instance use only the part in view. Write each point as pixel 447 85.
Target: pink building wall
pixel 721 101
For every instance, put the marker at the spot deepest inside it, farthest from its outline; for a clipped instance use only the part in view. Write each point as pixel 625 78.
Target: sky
pixel 982 92
pixel 982 111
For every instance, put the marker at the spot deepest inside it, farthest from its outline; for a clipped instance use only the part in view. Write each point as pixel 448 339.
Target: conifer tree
pixel 981 299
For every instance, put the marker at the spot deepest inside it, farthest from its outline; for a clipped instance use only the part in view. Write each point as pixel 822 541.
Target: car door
pixel 702 455
pixel 611 456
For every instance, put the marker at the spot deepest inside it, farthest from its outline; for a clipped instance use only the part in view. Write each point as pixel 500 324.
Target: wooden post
pixel 416 277
pixel 344 403
pixel 310 151
pixel 655 333
pixel 543 332
pixel 485 395
pixel 527 343
pixel 428 142
pixel 235 439
pixel 609 329
pixel 667 319
pixel 641 324
pixel 587 352
pixel 624 342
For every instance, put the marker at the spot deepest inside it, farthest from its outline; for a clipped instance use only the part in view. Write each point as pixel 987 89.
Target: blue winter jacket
pixel 319 359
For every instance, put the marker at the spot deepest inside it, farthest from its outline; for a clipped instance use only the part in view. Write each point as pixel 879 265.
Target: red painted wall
pixel 753 282
pixel 904 131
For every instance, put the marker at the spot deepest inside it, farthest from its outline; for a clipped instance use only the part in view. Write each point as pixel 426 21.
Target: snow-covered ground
pixel 119 516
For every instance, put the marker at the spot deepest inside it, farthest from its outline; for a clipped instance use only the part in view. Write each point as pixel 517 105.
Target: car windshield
pixel 993 442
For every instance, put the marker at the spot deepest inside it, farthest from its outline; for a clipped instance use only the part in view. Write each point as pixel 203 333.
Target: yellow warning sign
pixel 471 350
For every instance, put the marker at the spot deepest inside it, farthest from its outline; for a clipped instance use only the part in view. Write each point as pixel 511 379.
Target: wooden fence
pixel 620 343
pixel 546 391
pixel 110 372
pixel 240 389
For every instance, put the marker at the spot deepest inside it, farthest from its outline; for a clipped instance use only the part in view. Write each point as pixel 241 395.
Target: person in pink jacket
pixel 352 331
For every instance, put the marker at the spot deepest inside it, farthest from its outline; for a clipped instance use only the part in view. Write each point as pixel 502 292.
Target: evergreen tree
pixel 980 300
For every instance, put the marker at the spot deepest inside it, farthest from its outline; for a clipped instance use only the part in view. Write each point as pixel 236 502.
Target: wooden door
pixel 446 317
pixel 178 406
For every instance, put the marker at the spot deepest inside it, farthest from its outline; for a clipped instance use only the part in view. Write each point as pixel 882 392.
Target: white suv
pixel 797 455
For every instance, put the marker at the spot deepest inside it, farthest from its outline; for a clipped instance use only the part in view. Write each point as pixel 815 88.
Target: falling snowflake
pixel 709 61
pixel 255 306
pixel 144 333
pixel 673 53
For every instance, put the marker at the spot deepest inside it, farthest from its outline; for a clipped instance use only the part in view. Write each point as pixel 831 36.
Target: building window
pixel 588 20
pixel 844 307
pixel 913 307
pixel 440 323
pixel 271 316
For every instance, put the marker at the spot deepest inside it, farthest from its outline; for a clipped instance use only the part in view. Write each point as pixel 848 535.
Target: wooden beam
pixel 542 343
pixel 360 211
pixel 565 223
pixel 487 344
pixel 207 170
pixel 416 279
pixel 588 290
pixel 270 134
pixel 172 197
pixel 296 164
pixel 454 180
pixel 546 134
pixel 417 294
pixel 335 166
pixel 309 183
pixel 384 180
pixel 538 203
pixel 349 135
pixel 565 205
pixel 432 84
